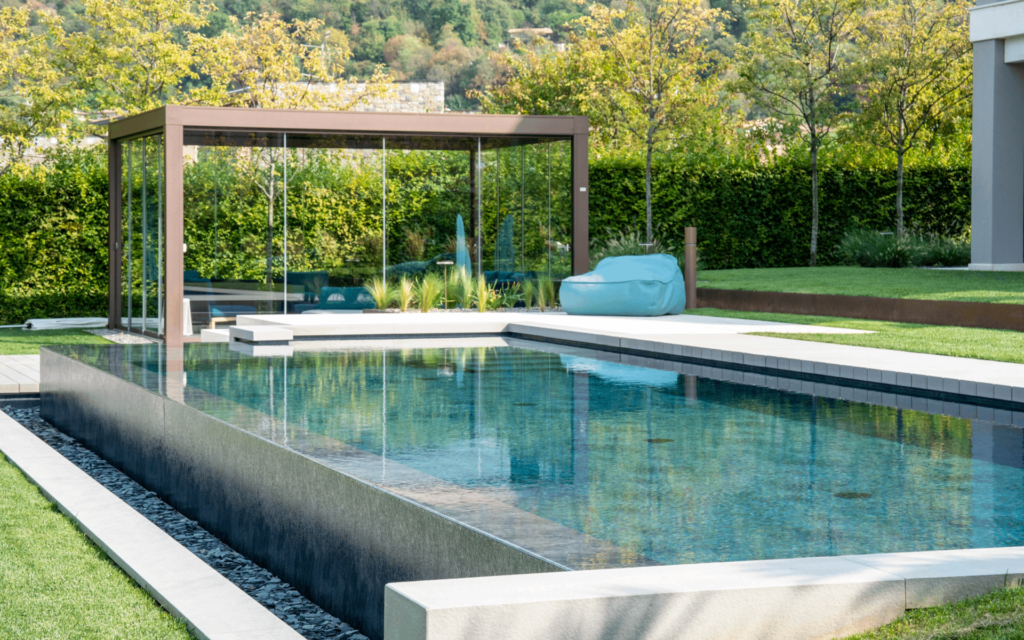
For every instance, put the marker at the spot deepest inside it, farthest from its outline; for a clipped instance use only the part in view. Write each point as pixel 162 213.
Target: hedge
pixel 53 219
pixel 750 218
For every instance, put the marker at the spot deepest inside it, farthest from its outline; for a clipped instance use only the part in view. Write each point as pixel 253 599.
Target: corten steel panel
pixel 174 235
pixel 690 266
pixel 337 539
pixel 982 315
pixel 350 121
pixel 115 231
pixel 580 197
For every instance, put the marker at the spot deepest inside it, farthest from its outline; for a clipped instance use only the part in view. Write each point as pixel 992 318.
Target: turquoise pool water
pixel 663 467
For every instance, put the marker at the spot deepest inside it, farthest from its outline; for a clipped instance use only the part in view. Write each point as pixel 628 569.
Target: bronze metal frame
pixel 172 120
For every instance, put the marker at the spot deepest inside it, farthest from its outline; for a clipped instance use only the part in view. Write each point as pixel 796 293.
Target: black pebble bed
pixel 278 597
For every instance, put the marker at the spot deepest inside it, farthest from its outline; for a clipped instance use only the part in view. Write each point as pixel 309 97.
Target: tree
pixel 131 57
pixel 35 100
pixel 656 70
pixel 915 64
pixel 792 66
pixel 642 74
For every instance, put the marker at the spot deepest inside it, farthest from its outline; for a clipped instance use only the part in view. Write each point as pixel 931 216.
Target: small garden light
pixel 445 264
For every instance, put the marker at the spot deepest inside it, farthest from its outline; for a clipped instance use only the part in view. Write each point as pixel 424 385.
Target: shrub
pixel 460 286
pixel 945 252
pixel 429 291
pixel 382 292
pixel 529 292
pixel 626 244
pixel 484 294
pixel 869 248
pixel 876 249
pixel 405 293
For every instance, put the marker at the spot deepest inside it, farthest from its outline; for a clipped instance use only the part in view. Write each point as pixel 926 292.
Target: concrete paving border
pixel 211 606
pixel 796 599
pixel 999 385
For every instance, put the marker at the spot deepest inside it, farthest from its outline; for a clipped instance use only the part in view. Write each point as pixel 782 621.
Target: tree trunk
pixel 814 201
pixel 650 230
pixel 899 192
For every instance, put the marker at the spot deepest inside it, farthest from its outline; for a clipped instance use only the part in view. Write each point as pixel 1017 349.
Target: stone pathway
pixel 19 374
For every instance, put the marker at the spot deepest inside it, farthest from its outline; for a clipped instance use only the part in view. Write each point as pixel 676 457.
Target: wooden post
pixel 690 268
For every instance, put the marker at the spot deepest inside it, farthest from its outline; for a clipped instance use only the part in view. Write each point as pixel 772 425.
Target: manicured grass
pixel 918 284
pixel 15 342
pixel 984 344
pixel 996 616
pixel 55 583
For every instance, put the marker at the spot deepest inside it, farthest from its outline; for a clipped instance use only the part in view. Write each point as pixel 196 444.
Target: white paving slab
pixel 795 599
pixel 19 374
pixel 771 599
pixel 213 607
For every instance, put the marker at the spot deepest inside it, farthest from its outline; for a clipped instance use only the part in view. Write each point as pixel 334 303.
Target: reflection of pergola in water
pixel 166 132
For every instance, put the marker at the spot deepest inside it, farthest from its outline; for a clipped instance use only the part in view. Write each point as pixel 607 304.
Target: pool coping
pixel 211 606
pixel 823 597
pixel 754 354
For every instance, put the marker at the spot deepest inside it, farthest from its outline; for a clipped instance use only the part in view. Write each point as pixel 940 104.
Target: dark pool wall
pixel 337 539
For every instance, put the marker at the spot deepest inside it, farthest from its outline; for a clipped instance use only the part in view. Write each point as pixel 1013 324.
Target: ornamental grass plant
pixel 869 248
pixel 405 294
pixel 382 292
pixel 483 293
pixel 429 292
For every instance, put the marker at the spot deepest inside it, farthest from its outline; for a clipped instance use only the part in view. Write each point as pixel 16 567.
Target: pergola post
pixel 174 234
pixel 581 197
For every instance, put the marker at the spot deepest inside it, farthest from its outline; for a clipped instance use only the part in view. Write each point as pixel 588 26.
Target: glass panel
pixel 143 233
pixel 152 214
pixel 429 209
pixel 234 222
pixel 335 217
pixel 560 226
pixel 130 224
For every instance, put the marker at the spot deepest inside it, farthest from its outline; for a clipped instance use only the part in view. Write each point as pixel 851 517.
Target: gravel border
pixel 277 596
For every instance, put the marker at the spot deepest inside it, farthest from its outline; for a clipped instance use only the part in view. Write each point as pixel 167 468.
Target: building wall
pixel 407 97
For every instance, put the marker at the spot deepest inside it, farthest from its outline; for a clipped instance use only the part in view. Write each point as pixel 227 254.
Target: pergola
pixel 497 194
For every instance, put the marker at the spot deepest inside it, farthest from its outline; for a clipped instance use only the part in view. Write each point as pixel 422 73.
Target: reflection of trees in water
pixel 703 470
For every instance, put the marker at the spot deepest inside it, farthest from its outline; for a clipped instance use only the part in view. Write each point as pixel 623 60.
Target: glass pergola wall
pixel 217 213
pixel 142 258
pixel 298 222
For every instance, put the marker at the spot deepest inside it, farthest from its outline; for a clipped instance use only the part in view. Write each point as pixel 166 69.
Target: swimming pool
pixel 590 463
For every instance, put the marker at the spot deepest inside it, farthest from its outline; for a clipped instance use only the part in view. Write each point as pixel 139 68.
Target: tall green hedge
pixel 53 239
pixel 748 218
pixel 53 219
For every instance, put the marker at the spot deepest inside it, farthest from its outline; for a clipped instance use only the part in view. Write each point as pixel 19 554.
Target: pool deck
pixel 714 341
pixel 19 374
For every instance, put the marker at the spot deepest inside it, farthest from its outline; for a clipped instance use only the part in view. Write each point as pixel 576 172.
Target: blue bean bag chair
pixel 627 286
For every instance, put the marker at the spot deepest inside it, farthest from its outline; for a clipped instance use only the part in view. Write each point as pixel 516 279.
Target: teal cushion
pixel 627 286
pixel 346 298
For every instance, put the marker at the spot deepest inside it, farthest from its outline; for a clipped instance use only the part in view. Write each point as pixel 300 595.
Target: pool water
pixel 669 468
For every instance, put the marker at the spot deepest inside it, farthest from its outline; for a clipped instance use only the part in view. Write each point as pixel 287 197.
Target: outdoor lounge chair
pixel 627 286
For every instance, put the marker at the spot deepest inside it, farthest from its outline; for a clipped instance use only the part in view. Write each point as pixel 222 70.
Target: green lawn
pixel 984 344
pixel 920 284
pixel 55 583
pixel 15 342
pixel 996 616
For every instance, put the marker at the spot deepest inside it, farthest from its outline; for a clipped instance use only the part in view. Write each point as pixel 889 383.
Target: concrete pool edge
pixel 802 598
pixel 334 537
pixel 844 365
